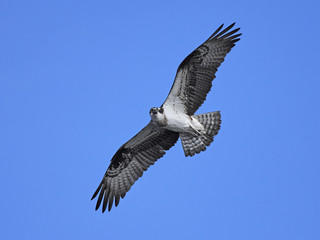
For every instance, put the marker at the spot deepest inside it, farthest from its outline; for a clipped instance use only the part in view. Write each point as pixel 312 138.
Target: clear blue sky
pixel 77 80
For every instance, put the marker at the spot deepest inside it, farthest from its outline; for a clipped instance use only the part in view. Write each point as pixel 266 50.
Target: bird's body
pixel 173 119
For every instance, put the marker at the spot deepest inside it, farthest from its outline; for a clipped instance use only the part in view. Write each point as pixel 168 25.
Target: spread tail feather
pixel 193 143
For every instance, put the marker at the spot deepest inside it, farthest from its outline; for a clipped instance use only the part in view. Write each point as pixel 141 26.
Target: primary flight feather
pixel 173 119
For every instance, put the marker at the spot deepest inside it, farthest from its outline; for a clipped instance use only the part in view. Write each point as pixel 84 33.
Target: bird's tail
pixel 193 143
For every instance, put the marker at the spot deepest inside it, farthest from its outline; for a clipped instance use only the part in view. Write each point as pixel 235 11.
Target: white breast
pixel 180 122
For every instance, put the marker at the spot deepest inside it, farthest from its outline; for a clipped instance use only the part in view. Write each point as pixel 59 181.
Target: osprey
pixel 173 119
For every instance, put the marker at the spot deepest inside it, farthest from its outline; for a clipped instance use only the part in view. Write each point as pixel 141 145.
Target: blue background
pixel 77 80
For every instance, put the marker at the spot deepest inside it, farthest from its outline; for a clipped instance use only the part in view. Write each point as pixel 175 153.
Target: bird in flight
pixel 173 119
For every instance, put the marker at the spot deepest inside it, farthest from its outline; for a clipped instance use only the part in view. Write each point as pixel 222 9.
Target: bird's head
pixel 154 111
pixel 157 114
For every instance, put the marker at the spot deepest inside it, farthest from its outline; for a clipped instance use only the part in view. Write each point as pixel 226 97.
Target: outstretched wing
pixel 130 161
pixel 195 74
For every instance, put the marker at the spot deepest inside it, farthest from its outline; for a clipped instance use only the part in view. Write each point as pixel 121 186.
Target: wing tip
pixel 106 198
pixel 97 191
pixel 225 34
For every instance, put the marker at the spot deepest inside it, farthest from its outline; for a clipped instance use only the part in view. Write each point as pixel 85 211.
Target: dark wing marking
pixel 130 161
pixel 195 74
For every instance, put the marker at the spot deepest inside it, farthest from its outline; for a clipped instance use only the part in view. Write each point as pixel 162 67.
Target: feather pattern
pixel 193 143
pixel 195 74
pixel 192 83
pixel 130 161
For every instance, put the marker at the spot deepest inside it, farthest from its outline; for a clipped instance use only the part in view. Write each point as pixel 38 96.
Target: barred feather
pixel 193 143
pixel 195 74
